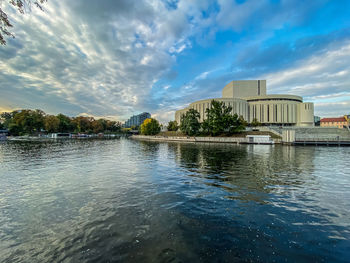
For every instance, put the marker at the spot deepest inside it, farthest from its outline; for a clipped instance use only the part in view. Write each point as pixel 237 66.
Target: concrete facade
pixel 248 99
pixel 244 88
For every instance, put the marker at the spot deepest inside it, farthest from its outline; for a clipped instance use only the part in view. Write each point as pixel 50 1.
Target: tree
pixel 115 126
pixel 219 118
pixel 97 126
pixel 255 123
pixel 190 122
pixel 28 121
pixel 83 124
pixel 103 123
pixel 22 6
pixel 52 123
pixel 15 129
pixel 150 127
pixel 173 126
pixel 238 124
pixel 65 124
pixel 7 122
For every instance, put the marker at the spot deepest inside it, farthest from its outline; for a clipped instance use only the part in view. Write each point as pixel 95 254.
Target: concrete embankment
pixel 236 140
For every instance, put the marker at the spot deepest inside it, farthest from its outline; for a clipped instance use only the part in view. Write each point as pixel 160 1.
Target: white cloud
pixel 104 57
pixel 97 58
pixel 202 75
pixel 318 78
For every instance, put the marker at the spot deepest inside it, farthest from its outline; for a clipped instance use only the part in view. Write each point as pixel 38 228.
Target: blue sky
pixel 117 58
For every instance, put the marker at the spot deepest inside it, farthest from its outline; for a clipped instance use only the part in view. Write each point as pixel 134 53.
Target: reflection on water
pixel 136 201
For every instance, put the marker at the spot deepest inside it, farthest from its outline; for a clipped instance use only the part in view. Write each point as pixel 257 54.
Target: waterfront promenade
pixel 234 140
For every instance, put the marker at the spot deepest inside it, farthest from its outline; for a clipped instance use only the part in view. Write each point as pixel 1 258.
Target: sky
pixel 112 59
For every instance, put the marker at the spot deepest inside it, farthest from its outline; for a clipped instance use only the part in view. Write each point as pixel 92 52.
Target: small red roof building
pixel 338 119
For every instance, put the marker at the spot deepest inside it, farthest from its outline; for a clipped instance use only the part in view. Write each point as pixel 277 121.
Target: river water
pixel 135 201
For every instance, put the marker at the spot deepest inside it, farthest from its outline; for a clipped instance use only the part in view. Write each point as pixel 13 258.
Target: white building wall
pixel 248 99
pixel 305 114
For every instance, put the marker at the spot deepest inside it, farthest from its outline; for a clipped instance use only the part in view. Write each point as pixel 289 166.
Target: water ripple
pixel 134 201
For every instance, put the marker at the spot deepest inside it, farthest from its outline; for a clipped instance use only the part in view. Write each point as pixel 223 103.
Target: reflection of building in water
pixel 283 158
pixel 248 98
pixel 247 171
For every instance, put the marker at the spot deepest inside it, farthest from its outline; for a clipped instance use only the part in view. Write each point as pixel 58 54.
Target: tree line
pixel 29 122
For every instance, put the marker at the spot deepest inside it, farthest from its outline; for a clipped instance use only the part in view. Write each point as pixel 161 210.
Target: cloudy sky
pixel 113 59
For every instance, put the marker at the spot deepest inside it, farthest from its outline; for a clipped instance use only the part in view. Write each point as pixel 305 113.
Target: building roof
pixel 274 97
pixel 337 119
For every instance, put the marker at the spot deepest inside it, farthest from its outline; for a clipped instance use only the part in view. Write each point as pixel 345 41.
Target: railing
pixel 275 130
pixel 325 139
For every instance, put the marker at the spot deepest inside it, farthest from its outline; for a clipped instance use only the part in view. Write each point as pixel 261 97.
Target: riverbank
pixel 50 138
pixel 235 140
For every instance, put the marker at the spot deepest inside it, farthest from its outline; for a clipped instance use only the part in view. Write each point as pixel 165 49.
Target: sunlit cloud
pixel 117 58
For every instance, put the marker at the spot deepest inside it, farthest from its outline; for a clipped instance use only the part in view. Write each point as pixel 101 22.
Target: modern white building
pixel 248 99
pixel 137 120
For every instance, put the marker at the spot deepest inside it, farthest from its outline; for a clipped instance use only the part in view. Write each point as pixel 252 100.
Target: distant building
pixel 317 120
pixel 137 120
pixel 248 99
pixel 338 122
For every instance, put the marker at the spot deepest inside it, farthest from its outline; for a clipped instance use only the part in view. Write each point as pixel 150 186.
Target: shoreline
pixel 235 140
pixel 241 140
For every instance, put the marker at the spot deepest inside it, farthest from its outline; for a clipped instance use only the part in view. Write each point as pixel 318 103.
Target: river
pixel 120 200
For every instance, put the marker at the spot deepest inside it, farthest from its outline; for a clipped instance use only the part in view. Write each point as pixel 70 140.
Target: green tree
pixel 255 123
pixel 219 118
pixel 29 121
pixel 52 123
pixel 173 126
pixel 15 129
pixel 7 117
pixel 22 6
pixel 65 124
pixel 238 124
pixel 190 122
pixel 83 124
pixel 8 123
pixel 39 118
pixel 115 126
pixel 103 123
pixel 150 127
pixel 97 126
